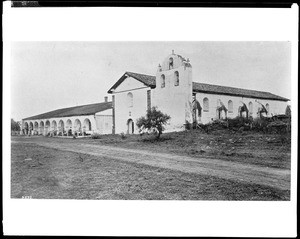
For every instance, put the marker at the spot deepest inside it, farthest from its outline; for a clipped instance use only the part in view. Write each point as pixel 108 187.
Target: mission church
pixel 172 90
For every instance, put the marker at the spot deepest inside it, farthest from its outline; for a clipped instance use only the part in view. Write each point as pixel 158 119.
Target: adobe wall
pixel 123 111
pixel 275 107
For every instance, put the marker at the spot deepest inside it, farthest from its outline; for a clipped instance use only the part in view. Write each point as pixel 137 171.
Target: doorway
pixel 130 126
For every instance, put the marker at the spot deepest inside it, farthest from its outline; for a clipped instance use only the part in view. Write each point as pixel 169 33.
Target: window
pixel 176 78
pixel 230 106
pixel 267 108
pixel 205 105
pixel 130 99
pixel 250 108
pixel 163 81
pixel 171 63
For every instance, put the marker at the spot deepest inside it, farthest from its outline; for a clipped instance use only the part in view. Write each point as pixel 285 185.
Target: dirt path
pixel 277 178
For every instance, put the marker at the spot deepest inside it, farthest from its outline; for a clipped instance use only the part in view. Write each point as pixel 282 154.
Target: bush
pixel 238 122
pixel 153 121
pixel 123 136
pixel 96 136
pixel 260 124
pixel 188 125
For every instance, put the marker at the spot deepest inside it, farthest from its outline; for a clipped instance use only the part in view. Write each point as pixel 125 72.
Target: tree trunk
pixel 159 133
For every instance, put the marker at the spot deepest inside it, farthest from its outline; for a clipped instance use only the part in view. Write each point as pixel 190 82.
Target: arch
pixel 42 127
pixel 87 125
pixel 26 128
pixel 130 99
pixel 197 110
pixel 288 110
pixel 47 126
pixel 205 104
pixel 61 127
pixel 31 128
pixel 250 108
pixel 243 109
pixel 230 106
pixel 77 126
pixel 130 126
pixel 162 81
pixel 69 127
pixel 69 123
pixel 176 78
pixel 54 125
pixel 36 127
pixel 221 110
pixel 261 109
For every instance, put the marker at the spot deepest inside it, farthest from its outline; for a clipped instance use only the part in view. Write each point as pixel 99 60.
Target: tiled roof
pixel 205 88
pixel 74 111
pixel 145 79
pixel 225 90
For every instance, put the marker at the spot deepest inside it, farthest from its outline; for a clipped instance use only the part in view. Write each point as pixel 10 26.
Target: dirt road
pixel 277 178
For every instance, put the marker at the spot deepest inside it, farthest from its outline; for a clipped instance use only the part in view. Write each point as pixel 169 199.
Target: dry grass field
pixel 181 166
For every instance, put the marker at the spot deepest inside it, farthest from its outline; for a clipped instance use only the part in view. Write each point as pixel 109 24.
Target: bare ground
pixel 88 169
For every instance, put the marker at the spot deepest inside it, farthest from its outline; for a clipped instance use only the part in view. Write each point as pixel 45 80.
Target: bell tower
pixel 173 92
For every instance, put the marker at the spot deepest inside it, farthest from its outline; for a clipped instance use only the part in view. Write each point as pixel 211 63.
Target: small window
pixel 171 63
pixel 230 106
pixel 205 105
pixel 163 81
pixel 176 78
pixel 130 99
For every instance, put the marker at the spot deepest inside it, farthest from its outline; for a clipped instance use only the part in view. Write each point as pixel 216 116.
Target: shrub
pixel 153 121
pixel 96 136
pixel 15 126
pixel 188 125
pixel 260 124
pixel 238 122
pixel 123 136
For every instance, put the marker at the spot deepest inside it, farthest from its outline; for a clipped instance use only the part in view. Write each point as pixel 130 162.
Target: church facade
pixel 173 91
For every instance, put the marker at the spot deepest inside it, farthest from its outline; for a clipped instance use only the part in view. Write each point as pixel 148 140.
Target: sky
pixel 51 75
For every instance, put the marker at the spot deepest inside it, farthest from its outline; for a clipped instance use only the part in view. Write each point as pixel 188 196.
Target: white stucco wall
pixel 175 101
pixel 275 107
pixel 122 110
pixel 104 122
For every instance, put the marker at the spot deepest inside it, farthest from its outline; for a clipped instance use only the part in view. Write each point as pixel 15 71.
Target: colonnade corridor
pixel 60 128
